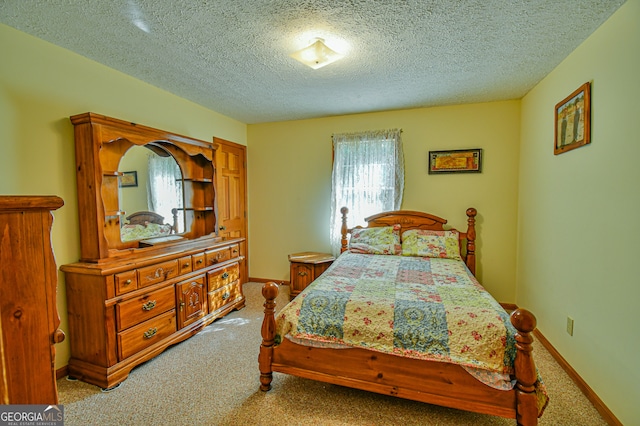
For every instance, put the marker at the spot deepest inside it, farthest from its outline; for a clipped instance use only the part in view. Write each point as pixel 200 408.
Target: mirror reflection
pixel 153 202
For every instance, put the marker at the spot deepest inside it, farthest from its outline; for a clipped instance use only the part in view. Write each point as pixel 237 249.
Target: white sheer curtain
pixel 368 177
pixel 164 188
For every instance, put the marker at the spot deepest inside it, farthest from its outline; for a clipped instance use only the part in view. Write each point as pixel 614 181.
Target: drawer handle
pixel 235 250
pixel 149 305
pixel 302 273
pixel 222 228
pixel 199 261
pixel 186 265
pixel 226 295
pixel 225 275
pixel 127 282
pixel 159 273
pixel 150 333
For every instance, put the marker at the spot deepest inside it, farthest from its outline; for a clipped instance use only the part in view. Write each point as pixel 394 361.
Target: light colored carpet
pixel 212 379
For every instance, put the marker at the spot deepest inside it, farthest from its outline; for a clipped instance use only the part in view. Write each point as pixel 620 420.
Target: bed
pixel 396 284
pixel 145 224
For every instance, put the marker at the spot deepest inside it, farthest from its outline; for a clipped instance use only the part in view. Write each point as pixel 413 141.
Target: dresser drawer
pixel 235 250
pixel 198 261
pixel 126 282
pixel 142 308
pixel 146 334
pixel 226 295
pixel 157 273
pixel 216 256
pixel 185 265
pixel 223 276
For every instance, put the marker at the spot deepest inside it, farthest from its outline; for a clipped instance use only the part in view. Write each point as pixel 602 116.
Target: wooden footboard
pixel 525 368
pixel 426 381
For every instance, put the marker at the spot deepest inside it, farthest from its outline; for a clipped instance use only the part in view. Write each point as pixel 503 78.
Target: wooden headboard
pixel 408 219
pixel 144 217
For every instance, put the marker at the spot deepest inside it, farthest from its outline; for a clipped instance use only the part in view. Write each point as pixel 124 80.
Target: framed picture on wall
pixel 572 120
pixel 129 179
pixel 456 161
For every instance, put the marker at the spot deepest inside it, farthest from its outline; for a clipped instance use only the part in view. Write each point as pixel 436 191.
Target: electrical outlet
pixel 570 326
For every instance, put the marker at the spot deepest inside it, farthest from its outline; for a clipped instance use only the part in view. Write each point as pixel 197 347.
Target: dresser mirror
pixel 151 182
pixel 113 158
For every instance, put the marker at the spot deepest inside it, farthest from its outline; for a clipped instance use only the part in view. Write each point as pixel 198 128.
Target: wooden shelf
pixel 196 209
pixel 197 180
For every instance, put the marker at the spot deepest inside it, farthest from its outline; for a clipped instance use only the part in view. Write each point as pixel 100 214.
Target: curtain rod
pixel 366 131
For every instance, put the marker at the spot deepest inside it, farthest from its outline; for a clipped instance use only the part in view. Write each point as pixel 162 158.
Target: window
pixel 368 177
pixel 164 189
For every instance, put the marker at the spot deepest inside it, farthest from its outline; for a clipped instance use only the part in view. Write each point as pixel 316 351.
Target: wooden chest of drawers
pixel 304 268
pixel 28 312
pixel 126 311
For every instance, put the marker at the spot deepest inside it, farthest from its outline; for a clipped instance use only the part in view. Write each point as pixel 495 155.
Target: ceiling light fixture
pixel 316 55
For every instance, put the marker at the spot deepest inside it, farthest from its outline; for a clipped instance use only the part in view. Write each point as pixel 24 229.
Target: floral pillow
pixel 442 244
pixel 380 240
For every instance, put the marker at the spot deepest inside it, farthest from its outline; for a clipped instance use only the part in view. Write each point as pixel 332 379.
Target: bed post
pixel 174 227
pixel 525 368
pixel 269 292
pixel 344 230
pixel 470 259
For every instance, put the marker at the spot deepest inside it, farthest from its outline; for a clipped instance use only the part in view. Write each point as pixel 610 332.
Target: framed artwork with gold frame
pixel 572 121
pixel 455 161
pixel 128 179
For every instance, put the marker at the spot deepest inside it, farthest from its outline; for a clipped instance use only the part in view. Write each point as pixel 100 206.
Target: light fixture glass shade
pixel 316 55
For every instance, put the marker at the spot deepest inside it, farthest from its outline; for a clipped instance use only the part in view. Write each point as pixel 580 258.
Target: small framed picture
pixel 128 179
pixel 456 161
pixel 573 120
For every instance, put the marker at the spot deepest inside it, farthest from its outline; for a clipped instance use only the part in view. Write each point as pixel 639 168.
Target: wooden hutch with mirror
pixel 153 269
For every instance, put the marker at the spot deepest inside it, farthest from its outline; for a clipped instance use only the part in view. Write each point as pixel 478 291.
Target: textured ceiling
pixel 233 56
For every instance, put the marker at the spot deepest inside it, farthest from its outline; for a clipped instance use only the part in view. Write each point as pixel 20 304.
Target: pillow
pixel 424 243
pixel 380 240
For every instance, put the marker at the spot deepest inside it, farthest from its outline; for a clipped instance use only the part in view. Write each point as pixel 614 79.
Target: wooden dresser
pixel 124 312
pixel 129 299
pixel 28 311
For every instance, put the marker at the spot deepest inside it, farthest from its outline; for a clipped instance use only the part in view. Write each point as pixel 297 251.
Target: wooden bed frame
pixel 144 217
pixel 432 382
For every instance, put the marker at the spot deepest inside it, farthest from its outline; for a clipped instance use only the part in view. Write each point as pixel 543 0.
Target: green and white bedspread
pixel 416 307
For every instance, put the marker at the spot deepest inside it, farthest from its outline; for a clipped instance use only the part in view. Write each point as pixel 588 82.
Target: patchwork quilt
pixel 424 308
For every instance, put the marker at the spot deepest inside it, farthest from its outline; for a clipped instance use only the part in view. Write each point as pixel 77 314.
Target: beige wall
pixel 568 220
pixel 41 85
pixel 134 198
pixel 578 215
pixel 290 183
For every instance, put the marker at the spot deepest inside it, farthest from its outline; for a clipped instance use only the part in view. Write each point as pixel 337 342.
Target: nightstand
pixel 306 267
